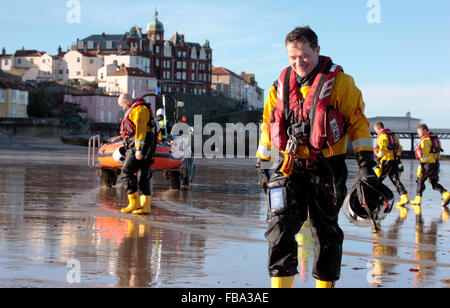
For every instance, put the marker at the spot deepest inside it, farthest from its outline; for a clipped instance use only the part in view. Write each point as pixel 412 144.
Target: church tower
pixel 155 35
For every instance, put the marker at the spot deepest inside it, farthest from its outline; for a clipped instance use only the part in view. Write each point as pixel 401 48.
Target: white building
pixel 128 60
pixel 397 124
pixel 83 66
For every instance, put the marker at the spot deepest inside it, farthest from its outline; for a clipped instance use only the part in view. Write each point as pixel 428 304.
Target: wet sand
pixel 56 222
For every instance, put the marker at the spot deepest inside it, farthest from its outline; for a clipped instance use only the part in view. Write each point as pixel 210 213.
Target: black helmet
pixel 367 204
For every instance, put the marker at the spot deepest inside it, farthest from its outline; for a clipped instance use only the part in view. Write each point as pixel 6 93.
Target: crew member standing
pixel 317 102
pixel 138 131
pixel 388 152
pixel 428 152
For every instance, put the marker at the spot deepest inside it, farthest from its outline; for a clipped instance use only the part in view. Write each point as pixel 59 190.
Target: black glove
pixel 263 175
pixel 366 163
pixel 366 174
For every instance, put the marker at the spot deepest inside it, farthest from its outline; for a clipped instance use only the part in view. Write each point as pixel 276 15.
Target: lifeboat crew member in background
pixel 387 153
pixel 138 131
pixel 428 151
pixel 161 122
pixel 306 91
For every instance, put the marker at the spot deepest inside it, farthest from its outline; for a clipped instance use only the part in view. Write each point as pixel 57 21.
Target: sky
pixel 396 50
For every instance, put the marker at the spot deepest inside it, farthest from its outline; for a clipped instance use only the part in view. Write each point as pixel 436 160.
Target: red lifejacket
pixel 394 144
pixel 326 125
pixel 435 145
pixel 127 127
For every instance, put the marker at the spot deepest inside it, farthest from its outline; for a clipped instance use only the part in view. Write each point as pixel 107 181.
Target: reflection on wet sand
pixel 425 248
pixel 53 211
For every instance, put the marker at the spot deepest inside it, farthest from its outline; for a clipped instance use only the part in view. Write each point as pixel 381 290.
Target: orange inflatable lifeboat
pixel 163 158
pixel 107 161
pixel 169 157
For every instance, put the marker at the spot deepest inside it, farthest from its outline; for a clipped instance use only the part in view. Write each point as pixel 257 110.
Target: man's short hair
pixel 379 125
pixel 127 99
pixel 422 126
pixel 302 34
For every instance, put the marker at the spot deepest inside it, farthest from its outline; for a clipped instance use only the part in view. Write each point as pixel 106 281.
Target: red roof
pixel 224 71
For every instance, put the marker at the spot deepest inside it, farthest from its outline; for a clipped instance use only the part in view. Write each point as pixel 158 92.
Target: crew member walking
pixel 428 152
pixel 388 152
pixel 138 131
pixel 309 115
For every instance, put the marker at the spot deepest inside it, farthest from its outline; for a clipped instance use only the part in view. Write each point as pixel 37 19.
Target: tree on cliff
pixel 42 104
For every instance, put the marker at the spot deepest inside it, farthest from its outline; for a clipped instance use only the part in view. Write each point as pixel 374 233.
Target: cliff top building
pixel 179 66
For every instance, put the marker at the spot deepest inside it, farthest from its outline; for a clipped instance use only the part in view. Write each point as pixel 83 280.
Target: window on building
pixel 109 116
pixel 156 49
pixel 102 116
pixel 91 61
pixel 19 60
pixel 158 37
pixel 141 85
pixel 184 75
pixel 184 64
pixel 178 75
pixel 133 84
pixel 78 73
pixel 109 45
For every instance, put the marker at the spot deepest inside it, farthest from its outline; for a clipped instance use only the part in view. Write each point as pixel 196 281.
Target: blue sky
pixel 401 64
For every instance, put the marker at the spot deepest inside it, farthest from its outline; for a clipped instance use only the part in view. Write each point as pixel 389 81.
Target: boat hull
pixel 163 158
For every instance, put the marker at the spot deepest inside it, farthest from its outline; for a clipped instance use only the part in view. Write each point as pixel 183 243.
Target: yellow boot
pixel 446 196
pixel 146 202
pixel 282 282
pixel 403 200
pixel 133 203
pixel 417 201
pixel 321 284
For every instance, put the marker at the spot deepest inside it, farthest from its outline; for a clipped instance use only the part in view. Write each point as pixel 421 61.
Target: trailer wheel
pixel 175 179
pixel 108 178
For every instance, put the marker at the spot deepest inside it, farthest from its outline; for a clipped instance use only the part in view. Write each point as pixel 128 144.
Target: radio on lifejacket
pixel 298 135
